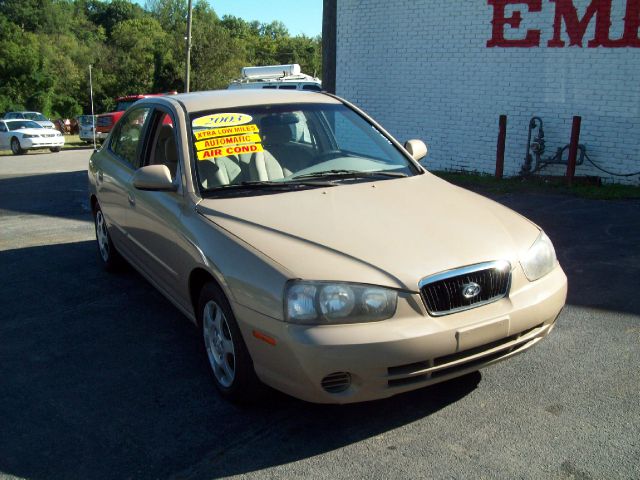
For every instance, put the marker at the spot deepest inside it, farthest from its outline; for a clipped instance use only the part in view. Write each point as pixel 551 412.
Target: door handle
pixel 131 198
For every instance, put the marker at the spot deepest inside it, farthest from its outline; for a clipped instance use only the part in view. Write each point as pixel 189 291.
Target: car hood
pixel 390 232
pixel 34 131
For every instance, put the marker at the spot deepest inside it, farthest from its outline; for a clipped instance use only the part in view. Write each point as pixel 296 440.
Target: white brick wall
pixel 422 68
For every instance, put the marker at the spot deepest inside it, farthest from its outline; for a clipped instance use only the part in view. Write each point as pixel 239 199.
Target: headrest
pixel 276 133
pixel 166 131
pixel 279 119
pixel 167 140
pixel 170 148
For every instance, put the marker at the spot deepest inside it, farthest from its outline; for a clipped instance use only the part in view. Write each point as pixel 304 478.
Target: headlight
pixel 540 259
pixel 28 135
pixel 317 303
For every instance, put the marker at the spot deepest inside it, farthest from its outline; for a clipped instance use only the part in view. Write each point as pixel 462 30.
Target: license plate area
pixel 480 334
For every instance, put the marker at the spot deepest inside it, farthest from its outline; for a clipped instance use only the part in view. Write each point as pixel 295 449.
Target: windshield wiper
pixel 351 174
pixel 269 185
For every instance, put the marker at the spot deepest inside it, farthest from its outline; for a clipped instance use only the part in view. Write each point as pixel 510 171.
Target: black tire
pixel 55 149
pixel 16 149
pixel 107 253
pixel 243 386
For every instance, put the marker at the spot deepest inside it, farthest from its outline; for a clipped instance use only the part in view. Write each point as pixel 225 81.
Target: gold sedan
pixel 313 251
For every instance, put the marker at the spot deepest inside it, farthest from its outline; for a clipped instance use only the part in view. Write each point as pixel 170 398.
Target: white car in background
pixel 280 77
pixel 37 117
pixel 22 135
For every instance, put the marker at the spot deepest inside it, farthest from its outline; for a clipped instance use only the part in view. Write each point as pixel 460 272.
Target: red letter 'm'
pixel 576 28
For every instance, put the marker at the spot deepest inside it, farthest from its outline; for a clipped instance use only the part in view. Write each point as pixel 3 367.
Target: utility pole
pixel 93 118
pixel 188 39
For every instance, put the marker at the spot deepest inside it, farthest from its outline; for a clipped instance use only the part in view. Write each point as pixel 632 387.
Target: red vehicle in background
pixel 106 121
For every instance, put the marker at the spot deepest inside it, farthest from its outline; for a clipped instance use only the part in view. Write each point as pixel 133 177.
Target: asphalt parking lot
pixel 101 377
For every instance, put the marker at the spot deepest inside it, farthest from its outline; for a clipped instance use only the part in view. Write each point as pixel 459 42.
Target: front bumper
pixel 409 351
pixel 42 142
pixel 86 135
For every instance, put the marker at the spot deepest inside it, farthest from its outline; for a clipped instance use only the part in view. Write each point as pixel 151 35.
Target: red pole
pixel 573 149
pixel 502 137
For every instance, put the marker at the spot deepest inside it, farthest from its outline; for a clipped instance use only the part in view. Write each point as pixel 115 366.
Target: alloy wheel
pixel 102 236
pixel 219 344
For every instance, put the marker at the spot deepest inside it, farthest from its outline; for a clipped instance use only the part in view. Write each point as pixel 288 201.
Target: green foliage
pixel 584 187
pixel 48 45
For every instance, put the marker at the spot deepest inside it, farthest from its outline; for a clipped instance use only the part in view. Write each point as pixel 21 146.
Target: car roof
pixel 220 99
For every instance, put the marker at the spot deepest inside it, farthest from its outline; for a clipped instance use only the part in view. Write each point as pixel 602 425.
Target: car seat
pixel 277 136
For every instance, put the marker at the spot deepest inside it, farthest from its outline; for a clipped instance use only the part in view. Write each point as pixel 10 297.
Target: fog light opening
pixel 336 382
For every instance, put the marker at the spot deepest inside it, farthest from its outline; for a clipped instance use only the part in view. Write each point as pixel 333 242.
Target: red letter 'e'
pixel 532 39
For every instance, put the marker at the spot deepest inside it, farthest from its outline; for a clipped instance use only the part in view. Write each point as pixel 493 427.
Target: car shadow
pixel 103 378
pixel 62 194
pixel 596 242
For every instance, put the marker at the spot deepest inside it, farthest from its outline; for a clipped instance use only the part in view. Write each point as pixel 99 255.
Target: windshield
pixel 288 143
pixel 35 116
pixel 18 124
pixel 85 120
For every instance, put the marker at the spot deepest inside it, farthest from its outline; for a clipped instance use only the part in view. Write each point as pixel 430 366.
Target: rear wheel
pixel 55 149
pixel 228 357
pixel 15 146
pixel 109 256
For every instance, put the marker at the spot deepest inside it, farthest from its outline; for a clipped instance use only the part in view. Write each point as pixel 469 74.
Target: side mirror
pixel 154 178
pixel 416 148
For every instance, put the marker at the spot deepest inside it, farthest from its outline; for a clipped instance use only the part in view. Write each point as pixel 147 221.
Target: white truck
pixel 288 77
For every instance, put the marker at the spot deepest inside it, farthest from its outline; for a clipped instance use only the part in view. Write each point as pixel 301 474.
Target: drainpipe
pixel 329 17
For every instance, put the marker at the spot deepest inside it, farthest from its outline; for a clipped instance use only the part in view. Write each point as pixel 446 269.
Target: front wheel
pixel 16 149
pixel 228 357
pixel 55 149
pixel 109 256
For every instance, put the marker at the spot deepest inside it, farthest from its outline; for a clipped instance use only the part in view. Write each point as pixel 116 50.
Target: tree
pixel 139 49
pixel 110 14
pixel 48 45
pixel 216 57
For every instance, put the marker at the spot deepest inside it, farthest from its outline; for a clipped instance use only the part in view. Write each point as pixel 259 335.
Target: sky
pixel 300 16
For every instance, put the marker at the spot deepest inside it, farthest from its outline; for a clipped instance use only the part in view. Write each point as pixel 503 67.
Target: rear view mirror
pixel 416 148
pixel 153 177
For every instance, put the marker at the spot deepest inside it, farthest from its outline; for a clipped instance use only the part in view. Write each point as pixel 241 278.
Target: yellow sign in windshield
pixel 222 120
pixel 230 150
pixel 224 141
pixel 221 132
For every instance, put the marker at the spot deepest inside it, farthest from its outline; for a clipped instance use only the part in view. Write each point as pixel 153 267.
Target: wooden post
pixel 502 137
pixel 573 149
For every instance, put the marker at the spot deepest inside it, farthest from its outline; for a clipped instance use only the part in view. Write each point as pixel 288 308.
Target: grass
pixel 71 142
pixel 485 183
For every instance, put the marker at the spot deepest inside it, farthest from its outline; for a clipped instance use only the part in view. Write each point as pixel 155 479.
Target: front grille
pixel 465 288
pixel 460 361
